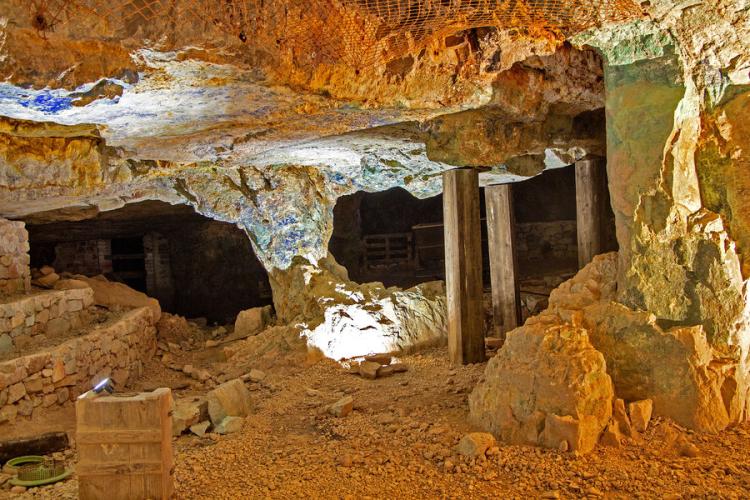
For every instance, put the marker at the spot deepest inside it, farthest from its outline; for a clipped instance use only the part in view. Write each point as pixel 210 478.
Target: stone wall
pixel 15 276
pixel 538 241
pixel 40 316
pixel 158 269
pixel 55 376
pixel 89 257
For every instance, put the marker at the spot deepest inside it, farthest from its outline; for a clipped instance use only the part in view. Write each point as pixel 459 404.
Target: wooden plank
pixel 116 468
pixel 589 208
pixel 463 266
pixel 506 301
pixel 119 436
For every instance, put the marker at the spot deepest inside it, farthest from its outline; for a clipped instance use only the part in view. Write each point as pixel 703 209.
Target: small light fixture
pixel 101 387
pixel 104 386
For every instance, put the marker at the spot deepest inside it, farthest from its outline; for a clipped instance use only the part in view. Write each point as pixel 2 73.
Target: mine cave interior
pixel 374 249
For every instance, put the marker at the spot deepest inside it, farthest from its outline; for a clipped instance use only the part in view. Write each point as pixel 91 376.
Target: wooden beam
pixel 463 266
pixel 506 309
pixel 589 209
pixel 34 445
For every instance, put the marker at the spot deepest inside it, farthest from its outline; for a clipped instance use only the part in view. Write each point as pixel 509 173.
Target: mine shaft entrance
pixel 397 239
pixel 195 266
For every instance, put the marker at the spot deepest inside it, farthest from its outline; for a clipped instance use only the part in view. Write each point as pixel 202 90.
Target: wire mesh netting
pixel 356 32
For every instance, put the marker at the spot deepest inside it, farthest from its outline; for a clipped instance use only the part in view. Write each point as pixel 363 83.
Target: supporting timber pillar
pixel 463 266
pixel 503 269
pixel 589 208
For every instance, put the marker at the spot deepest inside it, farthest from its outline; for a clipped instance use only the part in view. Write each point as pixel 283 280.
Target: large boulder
pixel 687 378
pixel 547 386
pixel 111 294
pixel 253 321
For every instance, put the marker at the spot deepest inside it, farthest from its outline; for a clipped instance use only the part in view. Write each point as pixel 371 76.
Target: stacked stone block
pixel 15 276
pixel 158 269
pixel 90 257
pixel 60 374
pixel 539 241
pixel 27 319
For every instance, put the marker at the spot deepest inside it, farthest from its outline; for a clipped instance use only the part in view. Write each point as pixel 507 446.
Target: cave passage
pixel 397 239
pixel 195 266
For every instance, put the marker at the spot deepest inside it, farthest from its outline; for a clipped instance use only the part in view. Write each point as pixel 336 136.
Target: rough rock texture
pixel 546 385
pixel 230 399
pixel 677 368
pixel 345 320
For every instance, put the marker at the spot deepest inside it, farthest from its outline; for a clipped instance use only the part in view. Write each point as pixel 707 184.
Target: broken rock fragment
pixel 200 428
pixel 187 413
pixel 229 425
pixel 621 418
pixel 230 399
pixel 546 385
pixel 475 444
pixel 369 369
pixel 640 414
pixel 252 321
pixel 342 407
pixel 382 359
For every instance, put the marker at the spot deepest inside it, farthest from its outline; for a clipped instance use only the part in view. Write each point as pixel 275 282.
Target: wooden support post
pixel 589 208
pixel 463 266
pixel 506 309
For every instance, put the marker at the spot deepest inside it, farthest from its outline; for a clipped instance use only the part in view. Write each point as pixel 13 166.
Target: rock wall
pixel 15 276
pixel 58 375
pixel 27 320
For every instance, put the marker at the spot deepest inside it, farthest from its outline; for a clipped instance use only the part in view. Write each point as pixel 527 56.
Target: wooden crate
pixel 125 446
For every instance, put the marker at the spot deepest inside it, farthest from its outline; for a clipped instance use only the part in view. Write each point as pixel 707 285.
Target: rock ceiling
pixel 236 108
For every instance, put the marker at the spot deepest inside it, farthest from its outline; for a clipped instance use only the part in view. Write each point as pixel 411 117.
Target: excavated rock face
pixel 218 132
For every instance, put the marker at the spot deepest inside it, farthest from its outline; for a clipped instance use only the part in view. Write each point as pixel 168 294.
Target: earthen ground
pixel 398 439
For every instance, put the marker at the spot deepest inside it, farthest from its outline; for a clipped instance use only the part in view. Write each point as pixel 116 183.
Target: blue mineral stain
pixel 337 177
pixel 289 219
pixel 46 102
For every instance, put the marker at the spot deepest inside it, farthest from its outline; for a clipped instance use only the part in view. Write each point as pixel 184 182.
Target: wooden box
pixel 125 446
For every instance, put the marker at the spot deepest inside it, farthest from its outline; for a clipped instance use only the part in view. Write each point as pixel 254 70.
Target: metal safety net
pixel 354 32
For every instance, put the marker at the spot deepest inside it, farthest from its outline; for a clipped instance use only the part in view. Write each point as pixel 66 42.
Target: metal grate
pixel 41 471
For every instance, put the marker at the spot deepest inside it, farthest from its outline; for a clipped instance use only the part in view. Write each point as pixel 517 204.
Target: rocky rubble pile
pixel 221 411
pixel 376 366
pixel 554 381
